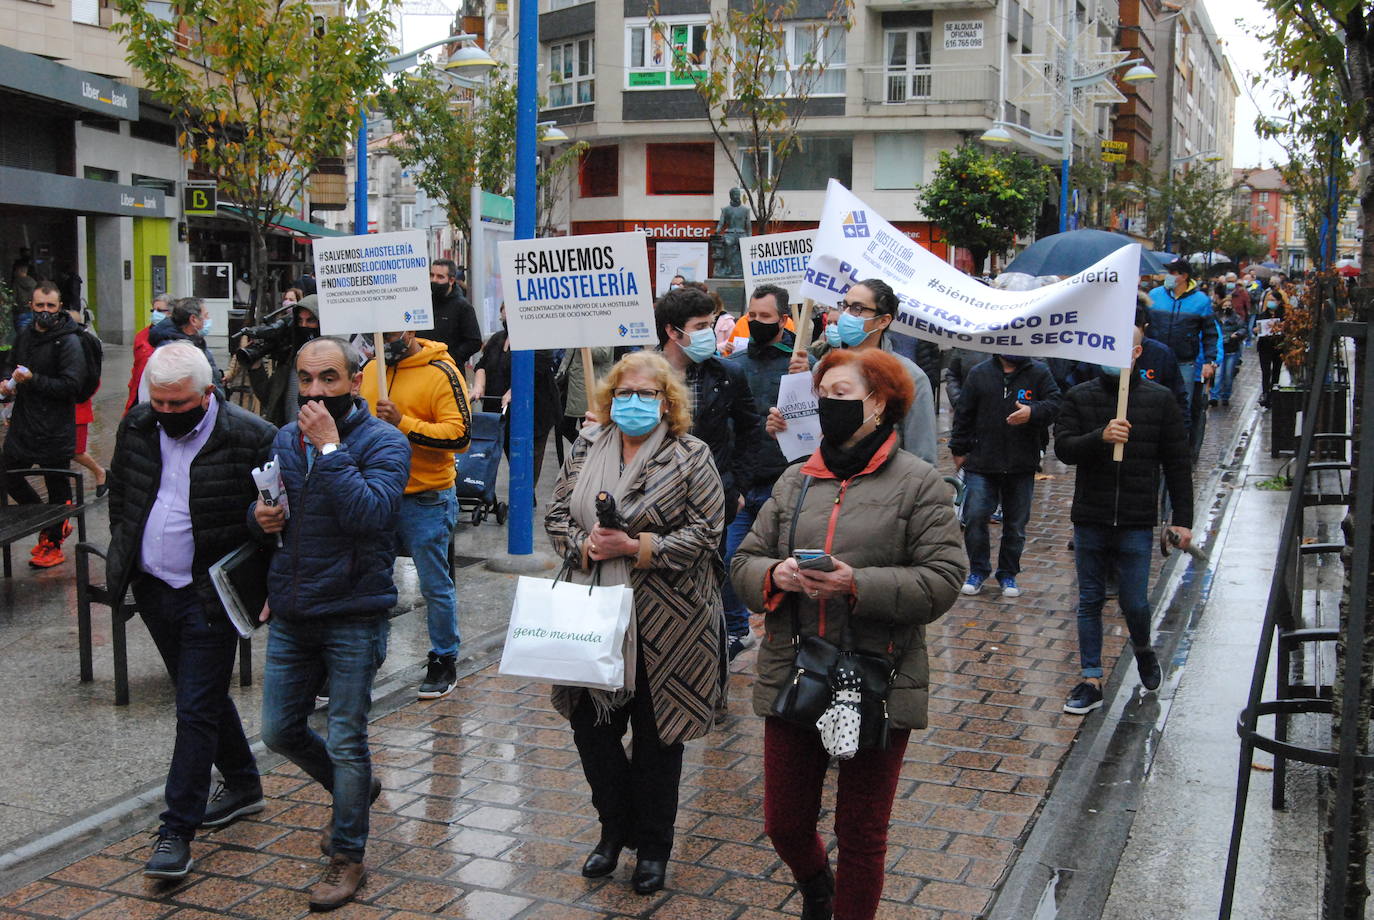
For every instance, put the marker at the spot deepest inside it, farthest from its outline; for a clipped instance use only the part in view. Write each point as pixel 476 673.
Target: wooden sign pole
pixel 379 358
pixel 1123 392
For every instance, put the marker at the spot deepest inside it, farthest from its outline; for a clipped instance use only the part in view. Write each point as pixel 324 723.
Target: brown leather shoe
pixel 341 880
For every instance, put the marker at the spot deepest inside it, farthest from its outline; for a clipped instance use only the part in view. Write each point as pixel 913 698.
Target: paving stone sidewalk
pixel 486 814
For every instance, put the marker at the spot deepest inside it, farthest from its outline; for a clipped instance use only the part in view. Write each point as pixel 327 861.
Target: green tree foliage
pixel 1235 238
pixel 983 199
pixel 261 91
pixel 754 89
pixel 458 139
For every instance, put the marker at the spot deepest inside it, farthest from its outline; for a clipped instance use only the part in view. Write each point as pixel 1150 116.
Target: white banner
pixel 778 258
pixel 578 291
pixel 1089 316
pixel 377 282
pixel 690 260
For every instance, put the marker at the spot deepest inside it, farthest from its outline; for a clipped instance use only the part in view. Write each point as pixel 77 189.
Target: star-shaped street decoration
pixel 1043 76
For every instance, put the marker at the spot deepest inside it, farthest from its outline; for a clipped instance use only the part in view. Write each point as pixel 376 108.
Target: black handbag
pixel 810 687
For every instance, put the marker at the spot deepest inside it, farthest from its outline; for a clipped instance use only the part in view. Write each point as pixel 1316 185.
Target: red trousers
pixel 794 765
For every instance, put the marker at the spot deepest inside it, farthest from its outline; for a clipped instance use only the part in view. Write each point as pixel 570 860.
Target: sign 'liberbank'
pixel 29 73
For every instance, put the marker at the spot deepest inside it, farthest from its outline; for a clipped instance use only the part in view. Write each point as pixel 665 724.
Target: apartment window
pixel 898 161
pixel 407 217
pixel 681 169
pixel 86 12
pixel 572 78
pixel 650 51
pixel 906 60
pixel 100 174
pixel 807 168
pixel 1264 197
pixel 813 43
pixel 598 175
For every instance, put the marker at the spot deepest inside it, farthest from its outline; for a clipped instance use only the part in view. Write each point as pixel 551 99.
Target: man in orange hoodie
pixel 427 400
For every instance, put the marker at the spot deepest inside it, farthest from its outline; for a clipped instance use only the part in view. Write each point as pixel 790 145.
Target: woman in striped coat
pixel 671 503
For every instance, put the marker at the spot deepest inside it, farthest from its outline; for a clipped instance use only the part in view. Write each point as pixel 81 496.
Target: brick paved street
pixel 486 813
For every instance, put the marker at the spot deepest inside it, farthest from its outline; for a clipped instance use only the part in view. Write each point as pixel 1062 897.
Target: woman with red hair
pixel 894 560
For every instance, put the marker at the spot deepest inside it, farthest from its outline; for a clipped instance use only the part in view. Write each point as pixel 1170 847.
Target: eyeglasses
pixel 854 308
pixel 626 393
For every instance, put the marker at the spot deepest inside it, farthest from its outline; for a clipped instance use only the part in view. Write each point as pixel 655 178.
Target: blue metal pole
pixel 360 180
pixel 520 535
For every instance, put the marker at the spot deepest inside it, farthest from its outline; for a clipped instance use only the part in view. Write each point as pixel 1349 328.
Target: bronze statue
pixel 733 224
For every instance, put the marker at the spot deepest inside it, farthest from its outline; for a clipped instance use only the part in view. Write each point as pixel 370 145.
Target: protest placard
pixel 1085 317
pixel 778 258
pixel 578 291
pixel 377 282
pixel 799 408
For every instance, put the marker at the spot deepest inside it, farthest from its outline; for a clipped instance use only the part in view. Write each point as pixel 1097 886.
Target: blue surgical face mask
pixel 1170 282
pixel 157 316
pixel 635 415
pixel 852 329
pixel 832 335
pixel 1230 285
pixel 209 324
pixel 700 344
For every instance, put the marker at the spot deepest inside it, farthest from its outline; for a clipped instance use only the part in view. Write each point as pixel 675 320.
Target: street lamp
pixel 468 61
pixel 550 134
pixel 998 134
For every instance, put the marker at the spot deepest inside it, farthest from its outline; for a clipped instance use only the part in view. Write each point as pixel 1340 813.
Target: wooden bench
pixel 20 521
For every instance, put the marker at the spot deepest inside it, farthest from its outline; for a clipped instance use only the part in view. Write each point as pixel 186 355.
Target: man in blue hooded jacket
pixel 1181 317
pixel 329 589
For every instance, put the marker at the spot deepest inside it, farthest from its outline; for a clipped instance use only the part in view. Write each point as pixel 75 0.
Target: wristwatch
pixel 329 448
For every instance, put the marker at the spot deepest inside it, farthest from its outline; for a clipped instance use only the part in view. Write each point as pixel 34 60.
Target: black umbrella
pixel 1070 253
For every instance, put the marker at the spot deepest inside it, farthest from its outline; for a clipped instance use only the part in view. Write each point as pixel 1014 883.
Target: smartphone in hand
pixel 815 560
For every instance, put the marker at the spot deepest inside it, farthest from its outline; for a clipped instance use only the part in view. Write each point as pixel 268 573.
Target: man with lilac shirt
pixel 179 482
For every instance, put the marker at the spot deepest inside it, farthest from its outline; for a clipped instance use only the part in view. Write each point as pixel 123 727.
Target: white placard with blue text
pixel 578 291
pixel 778 258
pixel 1089 316
pixel 376 282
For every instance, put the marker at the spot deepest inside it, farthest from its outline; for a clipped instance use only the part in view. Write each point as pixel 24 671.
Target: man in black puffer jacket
pixel 1006 406
pixel 1115 509
pixel 48 368
pixel 180 481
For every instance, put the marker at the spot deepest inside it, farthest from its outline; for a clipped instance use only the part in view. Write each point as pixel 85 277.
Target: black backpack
pixel 94 352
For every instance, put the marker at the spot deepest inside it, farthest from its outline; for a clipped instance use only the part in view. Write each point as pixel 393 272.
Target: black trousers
pixel 23 492
pixel 636 795
pixel 197 646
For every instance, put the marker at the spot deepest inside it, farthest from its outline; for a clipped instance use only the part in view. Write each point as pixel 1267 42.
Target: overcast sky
pixel 1238 23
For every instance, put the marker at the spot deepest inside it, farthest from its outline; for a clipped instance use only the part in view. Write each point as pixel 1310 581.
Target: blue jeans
pixel 197 646
pixel 736 616
pixel 299 654
pixel 1096 548
pixel 425 526
pixel 1221 386
pixel 983 493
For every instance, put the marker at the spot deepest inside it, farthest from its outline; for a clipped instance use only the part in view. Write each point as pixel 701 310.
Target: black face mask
pixel 840 418
pixel 46 322
pixel 762 333
pixel 179 424
pixel 338 406
pixel 301 334
pixel 439 288
pixel 396 352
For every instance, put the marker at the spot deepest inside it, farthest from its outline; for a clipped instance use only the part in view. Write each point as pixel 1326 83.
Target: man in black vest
pixel 180 480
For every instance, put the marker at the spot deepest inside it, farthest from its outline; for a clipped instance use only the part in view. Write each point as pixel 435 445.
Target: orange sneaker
pixel 48 555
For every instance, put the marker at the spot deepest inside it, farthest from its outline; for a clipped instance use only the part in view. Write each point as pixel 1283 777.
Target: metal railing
pixel 938 84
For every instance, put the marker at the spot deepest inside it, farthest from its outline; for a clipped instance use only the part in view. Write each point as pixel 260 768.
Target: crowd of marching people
pixel 847 555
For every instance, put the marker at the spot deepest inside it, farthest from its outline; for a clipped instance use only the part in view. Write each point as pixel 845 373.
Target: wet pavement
pixel 486 813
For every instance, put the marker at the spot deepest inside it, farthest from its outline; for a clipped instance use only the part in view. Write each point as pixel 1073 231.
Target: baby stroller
pixel 478 468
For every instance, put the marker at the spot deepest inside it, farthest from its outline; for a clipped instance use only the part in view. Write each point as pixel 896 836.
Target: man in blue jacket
pixel 1181 317
pixel 329 589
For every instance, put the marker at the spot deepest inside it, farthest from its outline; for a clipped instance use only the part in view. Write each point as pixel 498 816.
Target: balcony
pixel 940 89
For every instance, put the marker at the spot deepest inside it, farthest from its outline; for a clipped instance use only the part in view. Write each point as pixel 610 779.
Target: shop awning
pixel 291 224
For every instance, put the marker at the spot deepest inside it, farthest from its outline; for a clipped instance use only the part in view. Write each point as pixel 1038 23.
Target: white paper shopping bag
pixel 568 634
